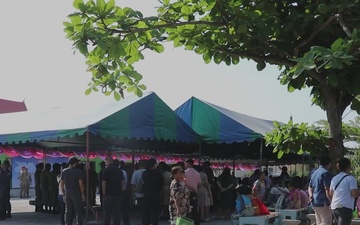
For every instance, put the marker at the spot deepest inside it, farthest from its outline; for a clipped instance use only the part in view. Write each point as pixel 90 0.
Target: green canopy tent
pixel 228 134
pixel 146 120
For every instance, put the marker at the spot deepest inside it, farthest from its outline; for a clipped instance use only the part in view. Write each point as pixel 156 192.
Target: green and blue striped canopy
pixel 146 118
pixel 219 125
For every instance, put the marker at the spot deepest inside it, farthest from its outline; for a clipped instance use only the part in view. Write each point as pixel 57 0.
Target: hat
pixel 190 161
pixel 72 160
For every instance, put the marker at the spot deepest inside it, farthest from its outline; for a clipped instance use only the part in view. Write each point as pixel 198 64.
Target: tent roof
pixel 7 106
pixel 147 117
pixel 220 125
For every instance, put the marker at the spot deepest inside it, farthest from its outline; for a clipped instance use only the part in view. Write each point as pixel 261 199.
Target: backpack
pixel 244 206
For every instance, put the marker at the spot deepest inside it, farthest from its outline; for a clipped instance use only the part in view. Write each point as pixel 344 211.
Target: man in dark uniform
pixel 113 186
pixel 93 184
pixel 38 193
pixel 74 191
pixel 44 185
pixel 5 183
pixel 54 188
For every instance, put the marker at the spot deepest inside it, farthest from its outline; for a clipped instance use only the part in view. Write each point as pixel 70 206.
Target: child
pixel 243 202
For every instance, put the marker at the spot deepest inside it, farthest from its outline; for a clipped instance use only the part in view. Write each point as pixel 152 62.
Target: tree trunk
pixel 334 113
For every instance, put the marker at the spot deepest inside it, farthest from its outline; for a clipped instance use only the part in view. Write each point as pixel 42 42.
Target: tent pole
pixel 199 152
pixel 234 167
pixel 87 176
pixel 261 152
pixel 133 159
pixel 303 164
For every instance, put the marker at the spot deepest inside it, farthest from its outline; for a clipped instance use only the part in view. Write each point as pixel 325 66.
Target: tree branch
pixel 315 32
pixel 269 59
pixel 317 77
pixel 166 25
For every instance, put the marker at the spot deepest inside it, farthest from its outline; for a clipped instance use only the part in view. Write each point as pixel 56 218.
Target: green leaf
pixel 260 66
pixel 186 10
pixel 130 89
pixel 159 48
pixel 235 59
pixel 337 45
pixel 290 88
pixel 142 86
pixel 242 28
pixel 323 8
pixel 280 154
pixel 77 3
pixel 110 6
pixel 207 56
pixel 117 96
pixel 88 91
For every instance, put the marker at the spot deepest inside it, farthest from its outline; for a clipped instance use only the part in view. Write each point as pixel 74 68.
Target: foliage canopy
pixel 316 44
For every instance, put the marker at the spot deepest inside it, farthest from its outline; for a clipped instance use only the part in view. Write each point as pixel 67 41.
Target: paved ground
pixel 23 214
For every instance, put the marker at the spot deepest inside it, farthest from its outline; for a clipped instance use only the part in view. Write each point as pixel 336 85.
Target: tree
pixel 298 138
pixel 310 139
pixel 314 43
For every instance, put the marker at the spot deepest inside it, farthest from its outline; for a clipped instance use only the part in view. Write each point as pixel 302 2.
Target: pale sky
pixel 37 64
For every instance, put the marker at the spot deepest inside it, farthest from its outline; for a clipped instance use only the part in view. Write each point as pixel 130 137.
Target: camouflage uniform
pixel 25 180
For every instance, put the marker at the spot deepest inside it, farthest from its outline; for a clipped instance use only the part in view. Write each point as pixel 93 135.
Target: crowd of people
pixel 161 191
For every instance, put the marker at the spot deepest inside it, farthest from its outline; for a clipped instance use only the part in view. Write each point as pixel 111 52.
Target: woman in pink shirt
pixel 304 199
pixel 294 196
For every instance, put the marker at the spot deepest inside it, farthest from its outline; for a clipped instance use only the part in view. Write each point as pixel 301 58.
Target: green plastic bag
pixel 184 221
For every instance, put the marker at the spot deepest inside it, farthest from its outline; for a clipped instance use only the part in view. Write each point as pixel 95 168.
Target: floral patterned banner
pixel 38 153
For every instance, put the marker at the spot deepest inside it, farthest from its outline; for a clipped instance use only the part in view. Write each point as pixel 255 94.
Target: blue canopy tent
pixel 132 118
pixel 226 133
pixel 141 123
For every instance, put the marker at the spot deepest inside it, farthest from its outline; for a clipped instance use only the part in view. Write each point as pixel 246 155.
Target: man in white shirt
pixel 193 183
pixel 344 190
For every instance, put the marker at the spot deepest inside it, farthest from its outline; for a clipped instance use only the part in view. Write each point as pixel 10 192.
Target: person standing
pixel 259 187
pixel 61 196
pixel 165 192
pixel 125 197
pixel 226 185
pixel 193 182
pixel 54 188
pixel 72 179
pixel 153 183
pixel 113 185
pixel 137 182
pixel 25 181
pixel 284 174
pixel 205 195
pixel 102 167
pixel 38 192
pixel 179 204
pixel 344 190
pixel 5 185
pixel 319 192
pixel 44 185
pixel 93 184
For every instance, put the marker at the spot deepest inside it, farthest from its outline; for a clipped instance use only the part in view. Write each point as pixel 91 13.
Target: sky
pixel 38 65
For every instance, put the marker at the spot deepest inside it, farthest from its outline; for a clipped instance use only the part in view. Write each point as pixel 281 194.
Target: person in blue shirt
pixel 319 192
